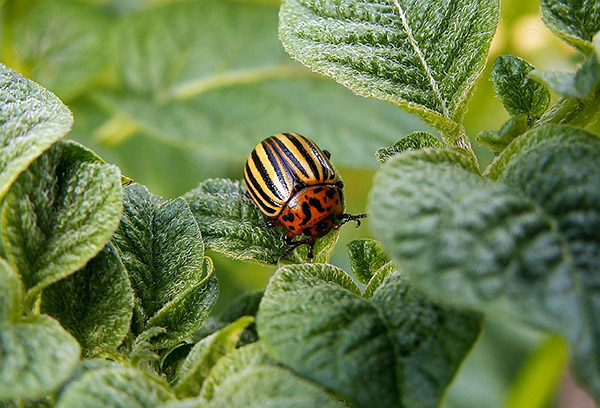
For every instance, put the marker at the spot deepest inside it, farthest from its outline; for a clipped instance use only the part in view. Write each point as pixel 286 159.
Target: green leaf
pixel 526 245
pixel 162 249
pixel 245 305
pixel 205 354
pixel 234 226
pixel 519 94
pixel 413 141
pixel 421 56
pixel 313 319
pixel 574 21
pixel 31 120
pixel 366 258
pixel 36 357
pixel 498 140
pixel 11 293
pixel 210 84
pixel 62 44
pixel 581 84
pixel 247 377
pixel 59 214
pixel 94 304
pixel 115 388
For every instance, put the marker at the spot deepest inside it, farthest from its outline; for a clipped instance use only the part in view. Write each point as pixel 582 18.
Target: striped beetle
pixel 293 183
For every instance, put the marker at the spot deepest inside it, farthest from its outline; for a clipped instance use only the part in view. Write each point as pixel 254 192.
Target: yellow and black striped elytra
pixel 292 182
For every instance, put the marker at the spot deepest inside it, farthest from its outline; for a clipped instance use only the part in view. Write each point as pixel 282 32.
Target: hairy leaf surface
pixel 59 214
pixel 413 141
pixel 31 120
pixel 233 225
pixel 94 304
pixel 423 56
pixel 163 251
pixel 36 357
pixel 366 258
pixel 314 319
pixel 573 20
pixel 10 293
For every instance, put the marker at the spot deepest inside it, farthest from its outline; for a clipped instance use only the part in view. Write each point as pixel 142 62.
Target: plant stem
pixel 572 111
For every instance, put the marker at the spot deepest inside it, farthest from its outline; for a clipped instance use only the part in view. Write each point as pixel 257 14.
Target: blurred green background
pixel 175 92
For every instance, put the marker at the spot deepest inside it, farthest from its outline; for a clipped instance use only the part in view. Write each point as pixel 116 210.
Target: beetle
pixel 293 183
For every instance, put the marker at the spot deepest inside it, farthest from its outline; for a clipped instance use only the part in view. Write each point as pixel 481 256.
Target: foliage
pixel 107 290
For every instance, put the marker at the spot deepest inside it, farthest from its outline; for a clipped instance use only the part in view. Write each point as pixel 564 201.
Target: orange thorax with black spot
pixel 312 211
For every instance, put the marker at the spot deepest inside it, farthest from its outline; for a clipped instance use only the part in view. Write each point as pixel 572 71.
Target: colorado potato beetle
pixel 293 183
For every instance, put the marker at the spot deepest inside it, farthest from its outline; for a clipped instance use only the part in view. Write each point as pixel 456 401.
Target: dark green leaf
pixel 519 94
pixel 31 120
pixel 163 251
pixel 220 91
pixel 59 214
pixel 205 354
pixel 94 304
pixel 36 357
pixel 245 305
pixel 419 55
pixel 233 225
pixel 11 294
pixel 413 141
pixel 366 258
pixel 498 140
pixel 115 388
pixel 247 377
pixel 314 319
pixel 62 44
pixel 576 21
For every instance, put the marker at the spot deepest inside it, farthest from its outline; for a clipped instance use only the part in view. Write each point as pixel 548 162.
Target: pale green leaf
pixel 115 388
pixel 233 225
pixel 94 304
pixel 497 140
pixel 36 357
pixel 31 120
pixel 11 293
pixel 247 377
pixel 575 21
pixel 62 44
pixel 220 91
pixel 366 258
pixel 519 94
pixel 313 319
pixel 413 141
pixel 205 354
pixel 59 214
pixel 162 249
pixel 420 55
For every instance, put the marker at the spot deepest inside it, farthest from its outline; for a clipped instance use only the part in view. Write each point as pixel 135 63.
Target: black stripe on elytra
pixel 307 213
pixel 289 157
pixel 276 166
pixel 316 203
pixel 307 157
pixel 255 188
pixel 264 174
pixel 323 161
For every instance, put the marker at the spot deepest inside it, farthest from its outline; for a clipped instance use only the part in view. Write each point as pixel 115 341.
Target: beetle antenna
pixel 350 217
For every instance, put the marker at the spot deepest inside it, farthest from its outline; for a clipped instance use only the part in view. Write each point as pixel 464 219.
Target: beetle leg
pixel 349 217
pixel 293 245
pixel 340 184
pixel 327 154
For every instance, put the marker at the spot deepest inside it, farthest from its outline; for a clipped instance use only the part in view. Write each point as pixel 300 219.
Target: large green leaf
pixel 233 225
pixel 247 377
pixel 314 319
pixel 576 21
pixel 10 293
pixel 162 248
pixel 366 258
pixel 219 90
pixel 203 356
pixel 36 357
pixel 115 388
pixel 31 120
pixel 94 304
pixel 59 214
pixel 526 245
pixel 420 55
pixel 62 44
